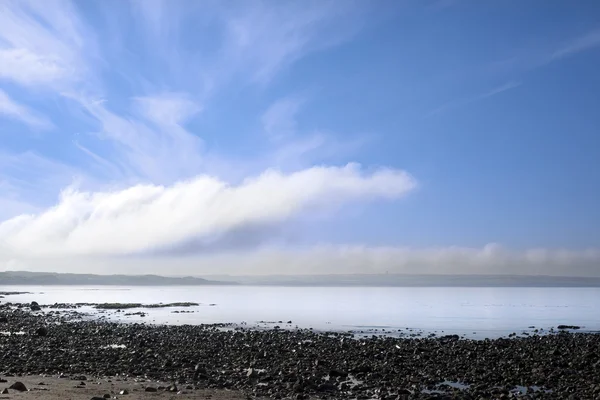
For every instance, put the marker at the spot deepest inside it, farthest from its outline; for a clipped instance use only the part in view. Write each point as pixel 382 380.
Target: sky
pixel 291 137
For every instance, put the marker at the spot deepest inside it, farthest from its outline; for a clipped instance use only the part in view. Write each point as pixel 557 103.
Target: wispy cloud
pixel 498 90
pixel 12 109
pixel 167 109
pixel 265 37
pixel 159 17
pixel 279 120
pixel 41 43
pixel 578 45
pixel 33 179
pixel 28 68
pixel 527 59
pixel 293 148
pixel 439 5
pixel 466 101
pixel 154 148
pixel 250 42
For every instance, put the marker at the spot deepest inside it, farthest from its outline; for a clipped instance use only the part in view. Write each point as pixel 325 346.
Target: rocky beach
pixel 38 341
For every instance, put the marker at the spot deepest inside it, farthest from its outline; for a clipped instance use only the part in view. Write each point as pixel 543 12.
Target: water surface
pixel 475 312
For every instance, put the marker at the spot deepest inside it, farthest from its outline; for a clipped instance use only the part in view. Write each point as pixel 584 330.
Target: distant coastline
pixel 349 280
pixel 49 278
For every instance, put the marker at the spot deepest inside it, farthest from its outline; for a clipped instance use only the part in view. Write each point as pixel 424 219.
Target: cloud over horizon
pixel 491 259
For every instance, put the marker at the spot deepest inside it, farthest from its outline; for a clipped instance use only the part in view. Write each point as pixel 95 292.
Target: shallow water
pixel 474 312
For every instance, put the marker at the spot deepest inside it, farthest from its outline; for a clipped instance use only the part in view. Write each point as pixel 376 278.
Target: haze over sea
pixel 470 311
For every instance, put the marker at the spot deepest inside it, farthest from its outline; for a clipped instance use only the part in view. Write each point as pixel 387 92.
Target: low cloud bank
pixel 336 259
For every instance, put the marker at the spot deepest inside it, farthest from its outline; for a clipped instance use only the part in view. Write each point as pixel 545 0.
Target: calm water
pixel 490 312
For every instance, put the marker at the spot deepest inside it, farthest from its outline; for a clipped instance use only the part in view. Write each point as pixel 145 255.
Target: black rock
pixel 3 319
pixel 151 389
pixel 327 387
pixel 568 327
pixel 5 391
pixel 298 387
pixel 42 331
pixel 20 386
pixel 334 373
pixel 362 369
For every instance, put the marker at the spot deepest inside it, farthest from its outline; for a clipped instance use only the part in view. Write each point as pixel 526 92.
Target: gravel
pixel 301 363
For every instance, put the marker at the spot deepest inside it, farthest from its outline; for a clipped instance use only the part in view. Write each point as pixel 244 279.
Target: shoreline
pixel 300 363
pixel 469 317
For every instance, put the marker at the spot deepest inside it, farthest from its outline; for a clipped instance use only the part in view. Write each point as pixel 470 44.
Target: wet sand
pixel 42 387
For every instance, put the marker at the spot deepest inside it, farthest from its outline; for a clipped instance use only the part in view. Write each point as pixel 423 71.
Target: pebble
pixel 301 363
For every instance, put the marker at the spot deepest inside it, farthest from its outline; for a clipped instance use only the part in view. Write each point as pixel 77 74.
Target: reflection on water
pixel 476 312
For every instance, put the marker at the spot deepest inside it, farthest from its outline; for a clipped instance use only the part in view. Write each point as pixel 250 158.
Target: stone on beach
pixel 297 363
pixel 18 386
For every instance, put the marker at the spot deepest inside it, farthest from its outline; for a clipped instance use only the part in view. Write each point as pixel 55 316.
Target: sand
pixel 55 388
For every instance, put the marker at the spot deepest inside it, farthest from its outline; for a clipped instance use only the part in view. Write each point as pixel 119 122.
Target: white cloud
pixel 12 109
pixel 147 217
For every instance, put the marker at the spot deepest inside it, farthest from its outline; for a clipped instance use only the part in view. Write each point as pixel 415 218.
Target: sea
pixel 487 312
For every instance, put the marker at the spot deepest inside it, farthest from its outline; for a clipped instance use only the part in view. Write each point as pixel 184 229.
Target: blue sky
pixel 441 133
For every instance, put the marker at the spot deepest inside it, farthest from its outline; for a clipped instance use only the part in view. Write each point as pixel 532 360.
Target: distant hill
pixel 46 278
